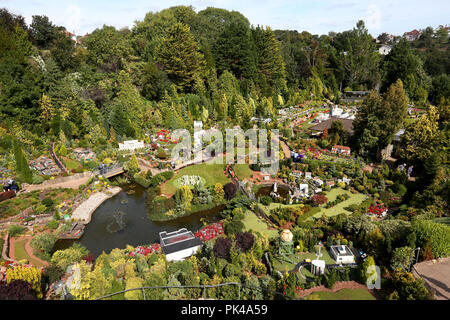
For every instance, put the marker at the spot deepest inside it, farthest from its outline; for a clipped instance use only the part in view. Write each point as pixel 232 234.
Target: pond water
pixel 282 190
pixel 123 220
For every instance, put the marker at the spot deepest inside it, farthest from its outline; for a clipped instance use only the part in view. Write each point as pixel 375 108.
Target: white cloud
pixel 373 17
pixel 73 19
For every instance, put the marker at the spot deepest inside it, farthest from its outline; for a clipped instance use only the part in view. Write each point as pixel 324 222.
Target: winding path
pixel 28 250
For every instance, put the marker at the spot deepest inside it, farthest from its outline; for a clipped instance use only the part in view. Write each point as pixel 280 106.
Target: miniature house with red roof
pixel 341 150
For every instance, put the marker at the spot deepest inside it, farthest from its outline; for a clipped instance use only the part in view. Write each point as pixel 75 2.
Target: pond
pixel 123 220
pixel 282 190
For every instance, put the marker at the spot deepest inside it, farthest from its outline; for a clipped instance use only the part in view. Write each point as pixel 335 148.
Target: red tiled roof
pixel 341 147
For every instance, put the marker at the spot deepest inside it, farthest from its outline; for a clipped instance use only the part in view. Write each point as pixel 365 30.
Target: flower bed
pixel 210 232
pixel 145 250
pixel 377 210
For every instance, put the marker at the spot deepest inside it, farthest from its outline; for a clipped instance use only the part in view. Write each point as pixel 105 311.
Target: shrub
pixel 17 290
pixel 222 248
pixel 245 241
pixel 53 224
pixel 44 242
pixel 319 199
pixel 52 273
pixel 48 202
pixel 230 190
pixel 266 200
pixel 234 227
pixel 15 230
pixel 437 234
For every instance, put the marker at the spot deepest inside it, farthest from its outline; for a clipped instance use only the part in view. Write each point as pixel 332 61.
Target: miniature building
pixel 131 145
pixel 317 267
pixel 341 149
pixel 385 49
pixel 178 245
pixel 336 111
pixel 342 254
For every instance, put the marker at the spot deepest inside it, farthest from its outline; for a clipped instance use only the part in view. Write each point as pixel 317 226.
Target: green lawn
pixel 252 222
pixel 346 294
pixel 20 253
pixel 70 164
pixel 242 171
pixel 281 265
pixel 355 198
pixel 211 173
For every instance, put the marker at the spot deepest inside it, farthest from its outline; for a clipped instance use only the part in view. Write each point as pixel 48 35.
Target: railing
pixel 240 286
pixel 116 167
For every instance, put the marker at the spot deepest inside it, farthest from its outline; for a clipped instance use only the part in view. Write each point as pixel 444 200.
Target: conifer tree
pixel 179 54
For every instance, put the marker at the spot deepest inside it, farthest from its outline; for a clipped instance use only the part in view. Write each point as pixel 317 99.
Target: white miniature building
pixel 131 145
pixel 178 245
pixel 336 111
pixel 342 254
pixel 317 267
pixel 198 133
pixel 322 117
pixel 384 49
pixel 308 175
pixel 318 182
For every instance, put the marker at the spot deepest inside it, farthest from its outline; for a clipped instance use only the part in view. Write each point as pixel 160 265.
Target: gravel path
pixel 73 183
pixel 84 211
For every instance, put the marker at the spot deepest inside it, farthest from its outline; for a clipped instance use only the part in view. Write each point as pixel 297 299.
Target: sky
pixel 314 16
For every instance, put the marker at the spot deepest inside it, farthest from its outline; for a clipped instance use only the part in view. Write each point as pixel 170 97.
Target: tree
pixel 234 50
pixel 379 118
pixel 219 194
pixel 43 31
pixel 358 56
pixel 421 138
pixel 183 197
pixel 179 54
pixel 270 63
pixel 106 48
pixel 22 167
pixel 63 50
pixel 402 63
pixel 364 274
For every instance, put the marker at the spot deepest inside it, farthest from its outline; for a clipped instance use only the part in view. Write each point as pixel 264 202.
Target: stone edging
pixel 109 193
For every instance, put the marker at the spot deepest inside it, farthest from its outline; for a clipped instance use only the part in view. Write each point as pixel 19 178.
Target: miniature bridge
pixel 109 172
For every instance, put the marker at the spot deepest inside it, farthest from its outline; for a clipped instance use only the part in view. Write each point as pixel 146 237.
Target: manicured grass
pixel 281 265
pixel 20 253
pixel 356 198
pixel 252 222
pixel 346 294
pixel 212 173
pixel 71 164
pixel 242 171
